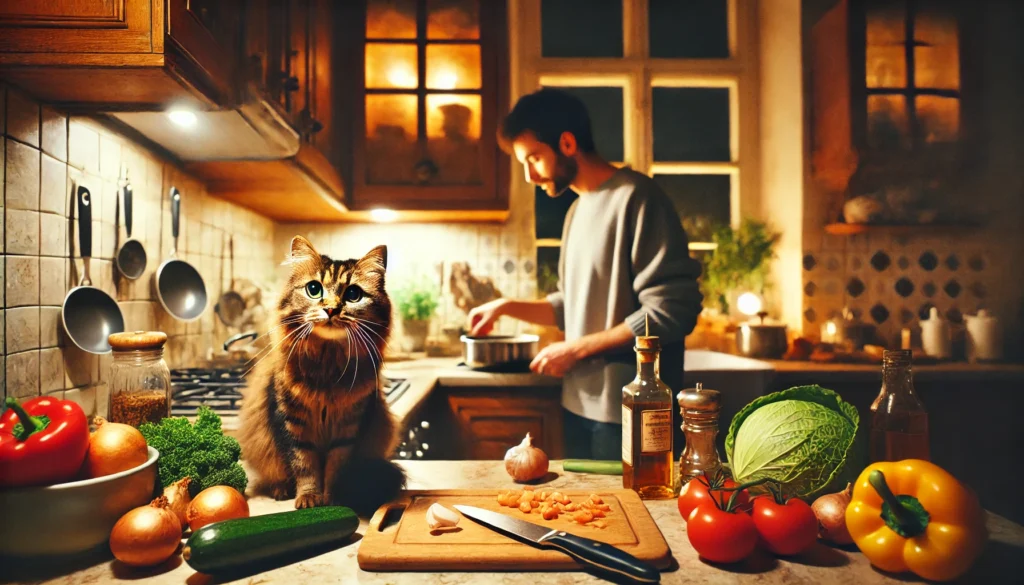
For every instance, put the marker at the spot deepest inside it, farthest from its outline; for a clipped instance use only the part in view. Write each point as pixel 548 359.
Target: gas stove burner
pixel 220 389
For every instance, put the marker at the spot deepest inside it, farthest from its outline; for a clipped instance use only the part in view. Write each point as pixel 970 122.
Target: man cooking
pixel 624 257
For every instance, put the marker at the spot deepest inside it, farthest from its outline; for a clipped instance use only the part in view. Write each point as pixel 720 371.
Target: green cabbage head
pixel 802 437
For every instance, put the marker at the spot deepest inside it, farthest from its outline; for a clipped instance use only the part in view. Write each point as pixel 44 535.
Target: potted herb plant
pixel 416 302
pixel 740 262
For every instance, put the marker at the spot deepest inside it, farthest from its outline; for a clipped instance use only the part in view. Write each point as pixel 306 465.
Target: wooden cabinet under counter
pixel 131 55
pixel 484 422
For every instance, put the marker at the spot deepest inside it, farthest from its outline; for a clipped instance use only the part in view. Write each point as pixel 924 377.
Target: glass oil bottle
pixel 647 426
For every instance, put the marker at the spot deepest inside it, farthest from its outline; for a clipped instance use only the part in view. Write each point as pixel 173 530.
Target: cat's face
pixel 336 299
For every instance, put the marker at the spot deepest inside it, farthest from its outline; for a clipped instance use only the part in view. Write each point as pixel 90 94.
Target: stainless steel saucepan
pixel 499 352
pixel 179 286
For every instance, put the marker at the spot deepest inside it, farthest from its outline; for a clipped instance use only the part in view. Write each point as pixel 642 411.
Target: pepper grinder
pixel 700 409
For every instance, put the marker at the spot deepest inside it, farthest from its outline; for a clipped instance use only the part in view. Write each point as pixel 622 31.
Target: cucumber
pixel 231 544
pixel 593 466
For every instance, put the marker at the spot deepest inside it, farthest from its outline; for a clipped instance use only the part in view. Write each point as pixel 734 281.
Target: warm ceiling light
pixel 182 118
pixel 383 215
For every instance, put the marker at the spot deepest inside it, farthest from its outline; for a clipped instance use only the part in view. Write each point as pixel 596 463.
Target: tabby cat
pixel 314 421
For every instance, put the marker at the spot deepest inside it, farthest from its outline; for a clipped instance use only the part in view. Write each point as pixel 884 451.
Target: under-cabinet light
pixel 383 215
pixel 182 118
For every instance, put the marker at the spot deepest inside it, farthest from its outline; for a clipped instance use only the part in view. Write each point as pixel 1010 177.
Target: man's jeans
pixel 590 439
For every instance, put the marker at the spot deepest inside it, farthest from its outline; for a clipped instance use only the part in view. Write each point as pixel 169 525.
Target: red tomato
pixel 720 536
pixel 785 529
pixel 695 492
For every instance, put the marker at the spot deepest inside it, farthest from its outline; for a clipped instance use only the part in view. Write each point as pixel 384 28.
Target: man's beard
pixel 566 170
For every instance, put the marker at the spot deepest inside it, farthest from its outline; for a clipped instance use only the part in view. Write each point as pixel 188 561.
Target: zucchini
pixel 231 544
pixel 593 466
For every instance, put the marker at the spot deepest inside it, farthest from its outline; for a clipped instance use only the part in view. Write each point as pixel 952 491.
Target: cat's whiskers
pixel 271 331
pixel 361 338
pixel 307 327
pixel 369 325
pixel 269 351
pixel 348 354
pixel 371 346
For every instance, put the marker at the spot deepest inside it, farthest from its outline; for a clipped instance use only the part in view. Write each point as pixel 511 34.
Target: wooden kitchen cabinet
pixel 886 92
pixel 123 55
pixel 430 84
pixel 483 423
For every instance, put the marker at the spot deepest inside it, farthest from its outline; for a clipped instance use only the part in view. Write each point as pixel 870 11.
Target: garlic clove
pixel 440 517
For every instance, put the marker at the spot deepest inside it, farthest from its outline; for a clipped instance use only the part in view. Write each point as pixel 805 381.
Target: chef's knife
pixel 599 555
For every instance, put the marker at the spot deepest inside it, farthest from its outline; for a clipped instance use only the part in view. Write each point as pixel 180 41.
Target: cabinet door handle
pixel 291 83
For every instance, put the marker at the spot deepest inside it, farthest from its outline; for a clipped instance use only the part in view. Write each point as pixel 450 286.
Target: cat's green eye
pixel 353 293
pixel 314 289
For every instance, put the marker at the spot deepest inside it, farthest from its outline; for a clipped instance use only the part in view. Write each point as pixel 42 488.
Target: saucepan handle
pixel 84 199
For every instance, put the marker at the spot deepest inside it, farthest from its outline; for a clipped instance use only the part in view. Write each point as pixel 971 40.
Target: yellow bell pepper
pixel 913 515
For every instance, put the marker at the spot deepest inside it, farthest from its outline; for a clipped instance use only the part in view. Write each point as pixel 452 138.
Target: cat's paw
pixel 282 492
pixel 308 500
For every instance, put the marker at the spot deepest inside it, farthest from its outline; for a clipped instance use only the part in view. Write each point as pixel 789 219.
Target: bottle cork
pixel 647 343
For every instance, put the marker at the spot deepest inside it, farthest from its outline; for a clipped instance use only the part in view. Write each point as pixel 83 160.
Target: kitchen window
pixel 670 87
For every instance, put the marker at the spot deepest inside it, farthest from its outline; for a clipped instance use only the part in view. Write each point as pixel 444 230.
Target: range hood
pixel 253 130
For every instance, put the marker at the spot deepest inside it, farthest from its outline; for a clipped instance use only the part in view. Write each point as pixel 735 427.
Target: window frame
pixel 638 73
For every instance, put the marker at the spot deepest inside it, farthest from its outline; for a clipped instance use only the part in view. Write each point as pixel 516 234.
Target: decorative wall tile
pixel 880 261
pixel 928 261
pixel 809 262
pixel 86 398
pixel 53 234
pixel 54 139
pixel 904 287
pixel 21 176
pixel 22 118
pixel 51 327
pixel 80 368
pixel 52 281
pixel 952 289
pixel 110 158
pixel 23 374
pixel 22 232
pixel 902 262
pixel 22 281
pixel 953 262
pixel 83 146
pixel 54 196
pixel 51 370
pixel 22 325
pixel 3 323
pixel 977 262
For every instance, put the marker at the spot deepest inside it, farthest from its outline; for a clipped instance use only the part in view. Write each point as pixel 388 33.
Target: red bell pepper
pixel 42 442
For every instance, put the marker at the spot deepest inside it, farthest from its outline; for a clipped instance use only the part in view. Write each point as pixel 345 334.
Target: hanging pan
pixel 179 286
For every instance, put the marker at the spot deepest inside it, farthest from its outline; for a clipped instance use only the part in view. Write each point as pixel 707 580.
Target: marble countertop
pixel 1000 563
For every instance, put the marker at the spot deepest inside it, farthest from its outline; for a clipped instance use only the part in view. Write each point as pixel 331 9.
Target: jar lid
pixel 136 340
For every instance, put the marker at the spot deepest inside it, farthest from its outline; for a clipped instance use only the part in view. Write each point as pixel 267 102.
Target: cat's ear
pixel 376 260
pixel 302 251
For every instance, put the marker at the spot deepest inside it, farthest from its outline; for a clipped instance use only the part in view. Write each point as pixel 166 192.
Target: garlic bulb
pixel 524 462
pixel 440 517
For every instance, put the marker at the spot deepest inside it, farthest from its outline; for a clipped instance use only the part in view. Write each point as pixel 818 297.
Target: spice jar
pixel 140 382
pixel 700 409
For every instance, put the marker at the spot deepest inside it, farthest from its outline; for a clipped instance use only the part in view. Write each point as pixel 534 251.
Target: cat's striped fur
pixel 314 421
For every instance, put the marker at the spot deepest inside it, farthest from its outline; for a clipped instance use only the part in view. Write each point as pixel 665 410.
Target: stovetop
pixel 221 390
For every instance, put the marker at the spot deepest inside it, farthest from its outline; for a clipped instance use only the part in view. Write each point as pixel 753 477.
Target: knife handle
pixel 604 557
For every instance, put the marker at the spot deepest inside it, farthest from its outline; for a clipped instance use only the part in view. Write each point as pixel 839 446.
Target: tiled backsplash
pixel 43 154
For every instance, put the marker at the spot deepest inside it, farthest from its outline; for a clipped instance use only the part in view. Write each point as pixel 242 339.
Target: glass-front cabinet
pixel 429 100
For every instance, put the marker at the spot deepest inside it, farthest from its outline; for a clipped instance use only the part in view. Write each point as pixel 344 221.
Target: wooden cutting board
pixel 398 538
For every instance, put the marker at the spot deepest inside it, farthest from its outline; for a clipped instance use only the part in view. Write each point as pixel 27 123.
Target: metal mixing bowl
pixel 72 517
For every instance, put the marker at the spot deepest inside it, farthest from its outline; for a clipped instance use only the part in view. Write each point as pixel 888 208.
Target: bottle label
pixel 627 435
pixel 657 431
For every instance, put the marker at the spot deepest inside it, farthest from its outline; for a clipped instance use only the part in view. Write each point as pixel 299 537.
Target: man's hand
pixel 556 359
pixel 482 318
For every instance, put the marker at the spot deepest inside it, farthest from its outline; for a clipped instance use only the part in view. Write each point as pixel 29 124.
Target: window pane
pixel 391 152
pixel 581 28
pixel 391 66
pixel 886 64
pixel 453 138
pixel 701 200
pixel 691 124
pixel 391 19
pixel 547 269
pixel 888 125
pixel 453 66
pixel 939 118
pixel 550 212
pixel 453 19
pixel 936 53
pixel 689 29
pixel 604 104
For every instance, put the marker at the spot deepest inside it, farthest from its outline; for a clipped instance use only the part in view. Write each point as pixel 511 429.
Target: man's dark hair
pixel 548 113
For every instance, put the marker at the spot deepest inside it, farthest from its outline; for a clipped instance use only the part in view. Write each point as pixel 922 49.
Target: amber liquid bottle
pixel 899 422
pixel 647 426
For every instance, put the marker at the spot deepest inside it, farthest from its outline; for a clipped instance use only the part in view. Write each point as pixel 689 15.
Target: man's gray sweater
pixel 624 256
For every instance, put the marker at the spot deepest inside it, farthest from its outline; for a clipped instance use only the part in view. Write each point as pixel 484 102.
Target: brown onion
pixel 178 499
pixel 214 504
pixel 114 447
pixel 524 462
pixel 830 510
pixel 146 536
